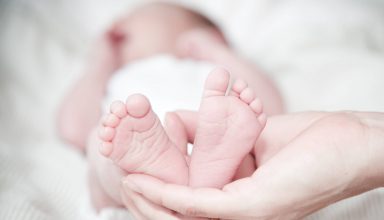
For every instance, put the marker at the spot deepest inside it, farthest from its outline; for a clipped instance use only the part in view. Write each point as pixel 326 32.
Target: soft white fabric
pixel 169 83
pixel 324 55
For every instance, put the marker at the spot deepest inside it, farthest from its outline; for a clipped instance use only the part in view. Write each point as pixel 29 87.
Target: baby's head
pixel 156 28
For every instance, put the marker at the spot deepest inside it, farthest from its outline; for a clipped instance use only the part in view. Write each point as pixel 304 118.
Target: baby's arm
pixel 80 109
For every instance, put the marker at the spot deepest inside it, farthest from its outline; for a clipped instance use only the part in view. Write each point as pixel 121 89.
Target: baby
pixel 131 138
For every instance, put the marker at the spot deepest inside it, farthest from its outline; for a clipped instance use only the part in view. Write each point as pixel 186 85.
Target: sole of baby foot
pixel 228 127
pixel 134 138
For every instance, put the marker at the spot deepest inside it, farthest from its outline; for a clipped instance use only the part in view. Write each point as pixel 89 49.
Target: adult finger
pixel 152 211
pixel 201 202
pixel 130 205
pixel 144 209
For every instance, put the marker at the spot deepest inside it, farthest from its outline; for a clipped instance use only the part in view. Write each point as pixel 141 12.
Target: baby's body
pixel 132 136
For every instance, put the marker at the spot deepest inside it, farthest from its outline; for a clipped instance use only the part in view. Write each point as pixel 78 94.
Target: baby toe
pixel 138 105
pixel 216 83
pixel 256 106
pixel 118 108
pixel 247 95
pixel 110 120
pixel 238 86
pixel 106 133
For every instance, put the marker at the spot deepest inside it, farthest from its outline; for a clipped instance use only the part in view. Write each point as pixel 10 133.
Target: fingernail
pixel 131 185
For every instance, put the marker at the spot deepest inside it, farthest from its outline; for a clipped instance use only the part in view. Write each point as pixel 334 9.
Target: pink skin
pixel 104 175
pixel 165 21
pixel 307 161
pixel 133 138
pixel 127 40
pixel 201 44
pixel 79 112
pixel 130 38
pixel 224 121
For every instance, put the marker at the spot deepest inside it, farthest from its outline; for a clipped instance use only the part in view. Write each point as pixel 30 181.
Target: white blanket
pixel 324 55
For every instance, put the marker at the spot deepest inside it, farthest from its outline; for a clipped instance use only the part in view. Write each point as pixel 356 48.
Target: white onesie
pixel 169 83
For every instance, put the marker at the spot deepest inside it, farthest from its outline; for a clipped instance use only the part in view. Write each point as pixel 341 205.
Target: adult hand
pixel 305 162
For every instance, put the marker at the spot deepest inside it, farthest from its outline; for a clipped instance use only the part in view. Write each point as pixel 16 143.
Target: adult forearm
pixel 374 123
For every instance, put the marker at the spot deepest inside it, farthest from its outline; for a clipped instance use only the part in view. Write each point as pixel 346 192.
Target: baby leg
pixel 103 176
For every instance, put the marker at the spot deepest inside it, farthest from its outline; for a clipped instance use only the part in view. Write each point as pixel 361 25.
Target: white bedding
pixel 324 55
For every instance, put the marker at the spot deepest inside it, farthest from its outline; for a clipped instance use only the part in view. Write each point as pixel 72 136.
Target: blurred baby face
pixel 152 30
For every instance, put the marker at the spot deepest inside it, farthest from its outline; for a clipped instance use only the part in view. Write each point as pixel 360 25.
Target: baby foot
pixel 227 129
pixel 135 140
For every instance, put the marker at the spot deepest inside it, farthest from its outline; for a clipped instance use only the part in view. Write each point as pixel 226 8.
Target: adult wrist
pixel 374 123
